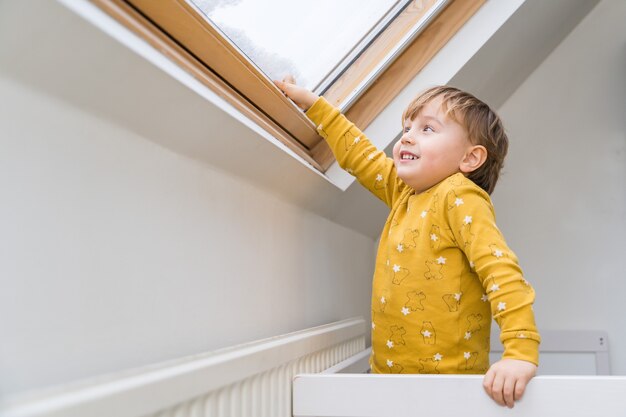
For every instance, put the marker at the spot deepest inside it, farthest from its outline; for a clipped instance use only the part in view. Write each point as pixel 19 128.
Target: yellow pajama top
pixel 442 267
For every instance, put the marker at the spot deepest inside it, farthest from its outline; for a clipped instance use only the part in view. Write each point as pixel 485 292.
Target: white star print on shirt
pixel 438 356
pixel 501 306
pixel 458 201
pixel 373 325
pixel 472 265
pixel 396 268
pixel 382 299
pixel 497 253
pixel 441 260
pixel 389 363
pixel 457 296
pixel 371 156
pixel 467 355
pixel 379 177
pixel 423 213
pixel 494 287
pixel 484 297
pixel 357 139
pixel 433 237
pixel 405 311
pixel 468 335
pixel 426 333
pixel 389 344
pixel 467 220
pixel 400 247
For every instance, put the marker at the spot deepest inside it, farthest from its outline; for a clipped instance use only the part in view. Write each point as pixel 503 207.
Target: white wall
pixel 562 200
pixel 116 252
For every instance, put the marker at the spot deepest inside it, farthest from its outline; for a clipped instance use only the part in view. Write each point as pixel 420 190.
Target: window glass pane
pixel 306 39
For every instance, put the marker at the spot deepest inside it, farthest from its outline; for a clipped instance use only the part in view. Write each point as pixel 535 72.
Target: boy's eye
pixel 428 128
pixel 406 129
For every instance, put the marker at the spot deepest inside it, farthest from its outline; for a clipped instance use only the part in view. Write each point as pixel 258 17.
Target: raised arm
pixel 352 149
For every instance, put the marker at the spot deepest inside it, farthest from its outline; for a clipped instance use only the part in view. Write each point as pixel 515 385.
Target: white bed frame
pixel 344 390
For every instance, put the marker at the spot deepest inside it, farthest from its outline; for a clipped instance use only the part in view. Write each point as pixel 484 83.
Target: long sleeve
pixel 355 153
pixel 472 222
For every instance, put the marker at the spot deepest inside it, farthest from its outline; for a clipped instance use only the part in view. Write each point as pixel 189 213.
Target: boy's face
pixel 431 148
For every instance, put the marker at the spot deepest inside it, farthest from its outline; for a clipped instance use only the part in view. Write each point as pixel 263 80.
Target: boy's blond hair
pixel 482 125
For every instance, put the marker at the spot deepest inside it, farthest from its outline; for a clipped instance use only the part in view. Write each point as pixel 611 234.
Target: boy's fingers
pixel 282 87
pixel 488 382
pixel 496 389
pixel 508 391
pixel 289 79
pixel 520 387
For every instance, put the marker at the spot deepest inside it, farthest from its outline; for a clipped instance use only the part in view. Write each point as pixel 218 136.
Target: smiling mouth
pixel 407 156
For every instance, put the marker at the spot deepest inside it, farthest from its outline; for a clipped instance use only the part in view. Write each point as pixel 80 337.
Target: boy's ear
pixel 473 159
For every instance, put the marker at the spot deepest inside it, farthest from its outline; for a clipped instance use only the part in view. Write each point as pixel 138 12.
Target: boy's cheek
pixel 396 148
pixel 395 154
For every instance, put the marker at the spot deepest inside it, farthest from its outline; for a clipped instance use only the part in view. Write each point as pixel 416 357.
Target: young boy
pixel 442 266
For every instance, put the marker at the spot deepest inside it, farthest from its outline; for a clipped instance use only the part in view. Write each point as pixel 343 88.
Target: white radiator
pixel 253 380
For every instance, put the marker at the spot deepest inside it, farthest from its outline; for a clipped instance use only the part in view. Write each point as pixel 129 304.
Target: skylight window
pixel 306 39
pixel 357 54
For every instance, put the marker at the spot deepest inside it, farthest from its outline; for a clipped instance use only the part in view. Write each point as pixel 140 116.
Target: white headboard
pixel 562 352
pixel 344 391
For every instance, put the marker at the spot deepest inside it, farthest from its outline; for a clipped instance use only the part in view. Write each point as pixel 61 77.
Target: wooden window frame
pixel 410 62
pixel 180 32
pixel 414 17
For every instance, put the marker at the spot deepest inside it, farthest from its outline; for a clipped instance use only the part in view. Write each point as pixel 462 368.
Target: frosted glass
pixel 303 38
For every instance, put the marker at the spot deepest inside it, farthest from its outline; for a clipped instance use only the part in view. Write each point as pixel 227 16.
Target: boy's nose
pixel 407 139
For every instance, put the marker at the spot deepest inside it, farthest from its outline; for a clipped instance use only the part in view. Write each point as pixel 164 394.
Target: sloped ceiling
pixel 492 74
pixel 63 55
pixel 519 46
